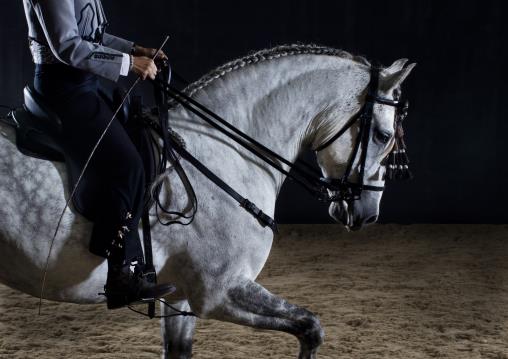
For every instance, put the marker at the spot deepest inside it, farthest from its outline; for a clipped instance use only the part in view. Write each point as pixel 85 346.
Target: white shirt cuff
pixel 126 64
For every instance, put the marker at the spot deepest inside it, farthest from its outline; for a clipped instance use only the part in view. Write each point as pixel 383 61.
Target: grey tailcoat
pixel 74 32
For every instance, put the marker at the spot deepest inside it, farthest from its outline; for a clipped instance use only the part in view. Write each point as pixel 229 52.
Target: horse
pixel 290 98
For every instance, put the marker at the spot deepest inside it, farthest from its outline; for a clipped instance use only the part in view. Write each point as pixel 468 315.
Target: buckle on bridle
pixel 344 190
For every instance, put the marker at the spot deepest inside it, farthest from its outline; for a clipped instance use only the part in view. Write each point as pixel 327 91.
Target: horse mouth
pixel 343 213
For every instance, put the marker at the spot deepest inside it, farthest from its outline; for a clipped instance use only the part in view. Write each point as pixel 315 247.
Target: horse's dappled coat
pixel 280 102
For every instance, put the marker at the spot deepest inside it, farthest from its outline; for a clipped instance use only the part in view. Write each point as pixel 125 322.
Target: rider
pixel 71 49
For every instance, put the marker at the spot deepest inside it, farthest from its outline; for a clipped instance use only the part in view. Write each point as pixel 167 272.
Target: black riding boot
pixel 127 281
pixel 125 286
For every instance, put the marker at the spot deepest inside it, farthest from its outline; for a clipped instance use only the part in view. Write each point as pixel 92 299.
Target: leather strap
pixel 149 270
pixel 249 206
pixel 343 130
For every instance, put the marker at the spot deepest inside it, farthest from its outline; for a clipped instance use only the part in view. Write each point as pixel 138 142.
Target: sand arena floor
pixel 420 291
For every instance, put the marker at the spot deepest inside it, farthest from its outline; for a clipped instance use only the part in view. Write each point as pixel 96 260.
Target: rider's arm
pixel 117 43
pixel 58 21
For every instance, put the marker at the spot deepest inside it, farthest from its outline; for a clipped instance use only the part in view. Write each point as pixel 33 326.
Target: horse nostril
pixel 371 220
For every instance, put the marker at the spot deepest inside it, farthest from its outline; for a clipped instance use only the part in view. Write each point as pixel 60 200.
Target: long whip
pixel 84 169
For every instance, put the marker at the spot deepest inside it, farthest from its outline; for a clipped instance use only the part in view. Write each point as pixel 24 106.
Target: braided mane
pixel 269 54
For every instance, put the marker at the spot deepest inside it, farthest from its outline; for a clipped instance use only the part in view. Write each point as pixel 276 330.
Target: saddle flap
pixel 35 140
pixel 35 104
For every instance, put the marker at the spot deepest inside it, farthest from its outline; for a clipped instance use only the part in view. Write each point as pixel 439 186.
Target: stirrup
pixel 119 301
pixel 116 299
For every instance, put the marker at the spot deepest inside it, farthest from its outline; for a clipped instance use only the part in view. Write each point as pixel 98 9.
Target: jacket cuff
pixel 126 65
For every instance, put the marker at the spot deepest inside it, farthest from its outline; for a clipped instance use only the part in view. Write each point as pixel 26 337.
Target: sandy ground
pixel 387 292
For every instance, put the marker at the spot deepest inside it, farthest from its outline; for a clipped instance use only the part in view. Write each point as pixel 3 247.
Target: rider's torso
pixel 89 16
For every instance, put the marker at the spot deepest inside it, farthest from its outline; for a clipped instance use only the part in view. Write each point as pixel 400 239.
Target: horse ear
pixel 396 66
pixel 392 81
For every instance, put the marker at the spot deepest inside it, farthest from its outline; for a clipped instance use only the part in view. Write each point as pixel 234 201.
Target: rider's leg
pixel 120 168
pixel 119 163
pixel 73 95
pixel 251 304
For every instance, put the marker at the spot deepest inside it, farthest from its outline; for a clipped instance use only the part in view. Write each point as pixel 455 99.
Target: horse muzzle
pixel 344 212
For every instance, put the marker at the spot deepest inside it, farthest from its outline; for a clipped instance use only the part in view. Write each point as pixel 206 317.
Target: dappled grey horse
pixel 288 98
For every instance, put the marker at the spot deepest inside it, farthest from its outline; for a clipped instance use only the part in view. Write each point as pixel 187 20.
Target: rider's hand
pixel 144 67
pixel 143 51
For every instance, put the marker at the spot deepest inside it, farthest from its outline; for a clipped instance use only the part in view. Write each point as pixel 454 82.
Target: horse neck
pixel 277 102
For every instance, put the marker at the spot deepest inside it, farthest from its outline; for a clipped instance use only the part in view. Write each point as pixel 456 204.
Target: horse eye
pixel 383 137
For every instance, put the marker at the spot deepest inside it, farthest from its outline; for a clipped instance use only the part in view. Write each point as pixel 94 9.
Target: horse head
pixel 356 157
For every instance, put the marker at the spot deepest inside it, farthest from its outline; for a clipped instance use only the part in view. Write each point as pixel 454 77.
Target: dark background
pixel 457 126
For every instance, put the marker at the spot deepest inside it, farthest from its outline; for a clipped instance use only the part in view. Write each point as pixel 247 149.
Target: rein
pixel 305 175
pixel 316 185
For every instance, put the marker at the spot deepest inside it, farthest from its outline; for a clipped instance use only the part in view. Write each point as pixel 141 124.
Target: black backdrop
pixel 457 126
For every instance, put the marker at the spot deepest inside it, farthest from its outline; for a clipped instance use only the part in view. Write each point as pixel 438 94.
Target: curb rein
pixel 304 174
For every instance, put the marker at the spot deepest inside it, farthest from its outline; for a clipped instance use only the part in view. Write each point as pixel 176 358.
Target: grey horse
pixel 288 98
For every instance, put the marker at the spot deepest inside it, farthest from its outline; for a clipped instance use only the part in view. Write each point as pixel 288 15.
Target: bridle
pixel 396 162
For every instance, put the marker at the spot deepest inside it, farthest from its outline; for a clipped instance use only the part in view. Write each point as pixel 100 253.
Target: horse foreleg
pixel 251 304
pixel 177 332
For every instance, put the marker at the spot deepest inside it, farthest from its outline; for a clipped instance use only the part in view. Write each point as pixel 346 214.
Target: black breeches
pixel 74 96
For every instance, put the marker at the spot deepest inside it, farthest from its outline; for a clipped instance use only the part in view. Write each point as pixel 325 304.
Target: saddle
pixel 39 134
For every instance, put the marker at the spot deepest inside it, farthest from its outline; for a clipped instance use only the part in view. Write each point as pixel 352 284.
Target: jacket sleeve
pixel 117 43
pixel 58 21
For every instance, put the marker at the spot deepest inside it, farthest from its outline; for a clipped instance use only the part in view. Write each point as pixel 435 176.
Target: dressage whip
pixel 84 169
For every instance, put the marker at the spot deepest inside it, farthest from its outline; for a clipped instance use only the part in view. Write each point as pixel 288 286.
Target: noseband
pixel 396 162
